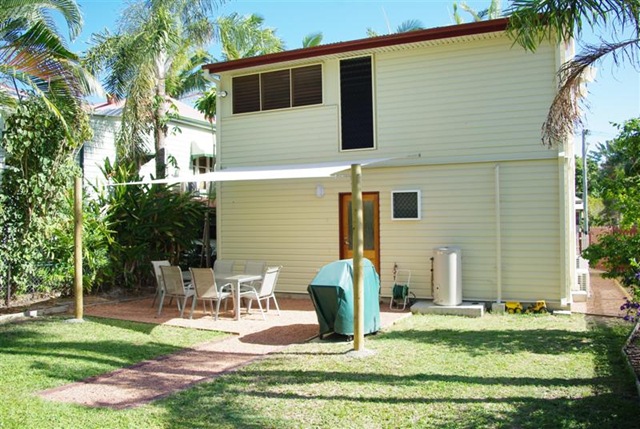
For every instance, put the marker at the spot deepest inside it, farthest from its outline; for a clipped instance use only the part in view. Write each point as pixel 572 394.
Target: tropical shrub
pixel 148 223
pixel 39 172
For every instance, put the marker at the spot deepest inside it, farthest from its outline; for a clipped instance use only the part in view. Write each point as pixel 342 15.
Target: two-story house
pixel 451 116
pixel 190 142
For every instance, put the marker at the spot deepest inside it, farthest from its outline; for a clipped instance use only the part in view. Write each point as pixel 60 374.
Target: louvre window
pixel 246 93
pixel 405 205
pixel 307 85
pixel 301 86
pixel 356 103
pixel 275 87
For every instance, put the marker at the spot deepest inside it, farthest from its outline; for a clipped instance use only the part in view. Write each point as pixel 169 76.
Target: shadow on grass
pixel 353 397
pixel 39 343
pixel 142 327
pixel 498 341
pixel 232 402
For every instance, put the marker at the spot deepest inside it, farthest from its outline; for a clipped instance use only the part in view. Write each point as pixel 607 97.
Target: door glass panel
pixel 369 241
pixel 369 235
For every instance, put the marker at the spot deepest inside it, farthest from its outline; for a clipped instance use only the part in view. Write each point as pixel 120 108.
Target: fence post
pixel 8 284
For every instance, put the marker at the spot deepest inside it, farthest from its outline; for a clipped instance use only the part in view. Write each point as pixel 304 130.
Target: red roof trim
pixel 363 44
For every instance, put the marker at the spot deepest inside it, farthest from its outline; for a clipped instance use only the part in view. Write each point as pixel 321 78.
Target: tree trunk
pixel 160 119
pixel 161 131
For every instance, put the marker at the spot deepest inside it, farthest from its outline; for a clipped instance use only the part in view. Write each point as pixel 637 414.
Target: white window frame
pixel 418 195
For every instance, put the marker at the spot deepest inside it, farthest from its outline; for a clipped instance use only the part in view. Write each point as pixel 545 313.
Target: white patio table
pixel 236 281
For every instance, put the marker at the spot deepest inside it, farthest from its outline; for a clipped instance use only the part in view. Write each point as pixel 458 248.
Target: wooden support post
pixel 358 253
pixel 77 242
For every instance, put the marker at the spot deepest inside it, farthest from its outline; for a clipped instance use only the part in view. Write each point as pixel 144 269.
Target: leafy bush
pixel 39 170
pixel 149 223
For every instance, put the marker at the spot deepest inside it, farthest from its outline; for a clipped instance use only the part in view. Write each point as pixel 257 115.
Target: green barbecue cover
pixel 332 294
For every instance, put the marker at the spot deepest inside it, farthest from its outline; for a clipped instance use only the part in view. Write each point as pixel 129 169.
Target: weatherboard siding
pixel 178 144
pixel 472 101
pixel 284 223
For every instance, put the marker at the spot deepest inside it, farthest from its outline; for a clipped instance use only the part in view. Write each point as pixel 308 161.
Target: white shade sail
pixel 295 171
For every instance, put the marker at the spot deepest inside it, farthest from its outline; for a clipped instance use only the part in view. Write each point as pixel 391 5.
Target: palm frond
pixel 410 25
pixel 534 21
pixel 312 39
pixel 565 113
pixel 39 10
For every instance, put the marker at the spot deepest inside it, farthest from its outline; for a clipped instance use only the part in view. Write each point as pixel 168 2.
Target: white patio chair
pixel 265 292
pixel 256 268
pixel 159 280
pixel 206 289
pixel 174 287
pixel 223 268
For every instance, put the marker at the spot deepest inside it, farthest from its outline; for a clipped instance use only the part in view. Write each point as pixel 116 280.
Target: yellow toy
pixel 513 307
pixel 539 307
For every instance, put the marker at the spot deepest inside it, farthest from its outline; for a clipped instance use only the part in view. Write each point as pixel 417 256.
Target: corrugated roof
pixel 115 109
pixel 367 44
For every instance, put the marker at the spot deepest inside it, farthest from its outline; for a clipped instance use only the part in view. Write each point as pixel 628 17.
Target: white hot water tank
pixel 447 276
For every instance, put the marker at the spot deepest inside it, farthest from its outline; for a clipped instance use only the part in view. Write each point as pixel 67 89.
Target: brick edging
pixel 633 333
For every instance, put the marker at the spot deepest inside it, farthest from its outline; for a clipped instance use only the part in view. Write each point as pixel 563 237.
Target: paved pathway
pixel 157 378
pixel 253 339
pixel 606 298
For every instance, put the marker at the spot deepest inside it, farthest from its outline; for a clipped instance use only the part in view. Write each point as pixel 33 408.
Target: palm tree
pixel 245 36
pixel 536 21
pixel 33 55
pixel 240 37
pixel 149 58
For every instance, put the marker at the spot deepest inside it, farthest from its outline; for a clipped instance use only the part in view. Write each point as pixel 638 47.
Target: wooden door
pixel 371 209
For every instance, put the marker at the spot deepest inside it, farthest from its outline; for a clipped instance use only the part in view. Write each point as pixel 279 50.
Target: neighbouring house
pixel 190 143
pixel 447 124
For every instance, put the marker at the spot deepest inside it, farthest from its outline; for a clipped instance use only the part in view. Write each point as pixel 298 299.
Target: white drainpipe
pixel 498 235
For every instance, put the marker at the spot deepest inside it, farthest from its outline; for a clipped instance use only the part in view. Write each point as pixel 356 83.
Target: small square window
pixel 405 205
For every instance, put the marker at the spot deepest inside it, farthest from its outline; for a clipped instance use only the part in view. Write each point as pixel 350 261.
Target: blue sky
pixel 613 97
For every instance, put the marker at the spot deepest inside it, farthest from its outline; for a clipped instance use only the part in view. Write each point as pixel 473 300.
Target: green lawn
pixel 428 371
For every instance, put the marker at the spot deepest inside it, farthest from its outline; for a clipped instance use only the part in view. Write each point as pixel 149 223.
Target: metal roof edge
pixel 491 26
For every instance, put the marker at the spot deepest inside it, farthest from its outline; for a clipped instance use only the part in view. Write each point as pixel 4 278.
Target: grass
pixel 427 371
pixel 45 353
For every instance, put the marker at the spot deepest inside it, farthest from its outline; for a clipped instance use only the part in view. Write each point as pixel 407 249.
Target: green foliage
pixel 33 54
pixel 241 37
pixel 593 182
pixel 155 54
pixel 620 175
pixel 39 170
pixel 619 183
pixel 149 223
pixel 616 250
pixel 536 22
pixel 246 36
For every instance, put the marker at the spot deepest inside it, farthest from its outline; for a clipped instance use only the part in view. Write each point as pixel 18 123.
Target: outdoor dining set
pixel 256 283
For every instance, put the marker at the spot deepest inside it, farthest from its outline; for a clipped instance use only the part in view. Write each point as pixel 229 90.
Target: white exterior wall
pixel 473 101
pixel 284 223
pixel 102 146
pixel 465 108
pixel 99 148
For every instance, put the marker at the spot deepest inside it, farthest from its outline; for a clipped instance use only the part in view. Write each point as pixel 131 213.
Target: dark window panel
pixel 276 90
pixel 356 103
pixel 307 85
pixel 246 94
